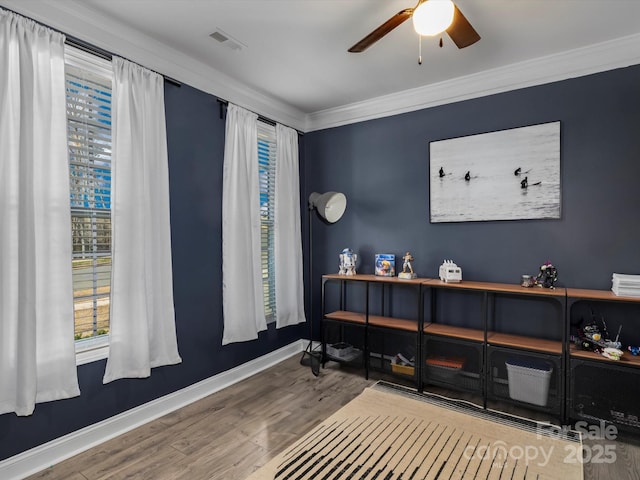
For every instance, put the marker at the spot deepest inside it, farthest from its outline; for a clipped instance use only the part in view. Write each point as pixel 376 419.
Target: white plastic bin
pixel 529 380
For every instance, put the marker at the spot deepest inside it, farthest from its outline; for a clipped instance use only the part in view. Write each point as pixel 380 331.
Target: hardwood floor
pixel 228 435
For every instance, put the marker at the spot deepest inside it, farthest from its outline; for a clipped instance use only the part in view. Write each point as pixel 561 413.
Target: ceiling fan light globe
pixel 433 17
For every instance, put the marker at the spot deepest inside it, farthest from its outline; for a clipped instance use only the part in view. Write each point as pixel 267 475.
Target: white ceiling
pixel 295 65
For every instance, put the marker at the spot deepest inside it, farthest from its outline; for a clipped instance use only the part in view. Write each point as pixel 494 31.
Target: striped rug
pixel 390 433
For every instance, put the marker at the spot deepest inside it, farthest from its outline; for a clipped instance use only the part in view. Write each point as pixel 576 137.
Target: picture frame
pixel 511 174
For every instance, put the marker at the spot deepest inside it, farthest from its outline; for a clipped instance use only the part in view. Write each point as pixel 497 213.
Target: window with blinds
pixel 267 173
pixel 88 92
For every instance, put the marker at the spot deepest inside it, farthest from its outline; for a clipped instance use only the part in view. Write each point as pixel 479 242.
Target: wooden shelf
pixel 374 320
pixel 626 360
pixel 430 334
pixel 498 288
pixel 525 343
pixel 374 278
pixel 345 316
pixel 608 295
pixel 395 323
pixel 454 332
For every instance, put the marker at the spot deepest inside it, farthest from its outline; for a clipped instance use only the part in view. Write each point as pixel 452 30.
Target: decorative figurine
pixel 407 269
pixel 348 261
pixel 634 350
pixel 450 272
pixel 548 276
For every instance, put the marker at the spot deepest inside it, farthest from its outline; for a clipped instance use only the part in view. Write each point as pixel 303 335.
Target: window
pixel 267 174
pixel 88 92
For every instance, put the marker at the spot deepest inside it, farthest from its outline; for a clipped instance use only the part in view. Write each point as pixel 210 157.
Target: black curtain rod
pixel 89 48
pixel 224 103
pixel 102 53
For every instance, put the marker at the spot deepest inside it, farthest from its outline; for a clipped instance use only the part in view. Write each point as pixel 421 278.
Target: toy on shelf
pixel 385 265
pixel 547 276
pixel 407 269
pixel 612 353
pixel 450 272
pixel 348 261
pixel 596 339
pixel 634 350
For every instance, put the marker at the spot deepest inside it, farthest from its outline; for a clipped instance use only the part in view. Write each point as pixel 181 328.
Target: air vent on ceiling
pixel 226 40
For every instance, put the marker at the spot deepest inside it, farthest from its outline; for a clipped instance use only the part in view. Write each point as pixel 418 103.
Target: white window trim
pixel 93 350
pixel 81 59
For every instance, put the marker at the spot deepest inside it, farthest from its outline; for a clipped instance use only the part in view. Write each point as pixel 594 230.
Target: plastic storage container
pixel 444 369
pixel 529 380
pixel 342 351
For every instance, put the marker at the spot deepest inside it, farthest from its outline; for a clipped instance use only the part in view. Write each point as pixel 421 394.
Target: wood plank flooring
pixel 230 434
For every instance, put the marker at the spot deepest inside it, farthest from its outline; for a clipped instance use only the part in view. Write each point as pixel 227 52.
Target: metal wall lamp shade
pixel 330 205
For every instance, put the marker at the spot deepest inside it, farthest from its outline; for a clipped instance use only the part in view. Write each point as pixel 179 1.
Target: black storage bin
pixel 452 363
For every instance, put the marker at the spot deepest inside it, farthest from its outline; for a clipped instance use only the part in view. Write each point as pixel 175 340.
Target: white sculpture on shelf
pixel 450 272
pixel 348 261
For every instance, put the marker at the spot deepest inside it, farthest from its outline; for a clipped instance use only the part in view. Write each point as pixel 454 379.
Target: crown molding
pixel 74 18
pixel 596 58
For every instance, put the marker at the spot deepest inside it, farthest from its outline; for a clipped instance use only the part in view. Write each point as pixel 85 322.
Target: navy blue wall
pixel 195 134
pixel 382 167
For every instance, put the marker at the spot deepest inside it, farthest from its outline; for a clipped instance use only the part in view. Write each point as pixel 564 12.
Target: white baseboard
pixel 50 453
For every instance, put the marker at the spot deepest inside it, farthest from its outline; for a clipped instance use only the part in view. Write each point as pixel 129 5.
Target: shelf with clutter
pixel 603 370
pixel 385 309
pixel 483 323
pixel 514 343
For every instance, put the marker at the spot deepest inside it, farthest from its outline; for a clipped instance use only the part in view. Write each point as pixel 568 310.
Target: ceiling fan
pixel 455 24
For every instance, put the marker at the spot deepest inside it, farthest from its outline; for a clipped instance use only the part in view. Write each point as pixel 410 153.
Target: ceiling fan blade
pixel 461 31
pixel 382 30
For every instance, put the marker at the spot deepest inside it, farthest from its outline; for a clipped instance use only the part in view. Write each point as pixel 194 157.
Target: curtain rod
pixel 90 48
pixel 224 103
pixel 102 53
pixel 107 55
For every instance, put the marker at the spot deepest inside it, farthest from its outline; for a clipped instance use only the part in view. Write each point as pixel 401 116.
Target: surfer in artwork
pixel 441 173
pixel 518 171
pixel 525 183
pixel 467 176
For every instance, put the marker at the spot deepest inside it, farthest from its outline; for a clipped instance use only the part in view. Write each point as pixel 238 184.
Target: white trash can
pixel 529 380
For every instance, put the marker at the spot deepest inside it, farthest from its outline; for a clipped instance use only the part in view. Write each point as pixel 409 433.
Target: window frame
pixel 267 150
pixel 94 348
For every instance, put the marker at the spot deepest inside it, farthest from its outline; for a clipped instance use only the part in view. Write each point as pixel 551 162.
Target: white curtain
pixel 37 352
pixel 242 291
pixel 142 331
pixel 288 241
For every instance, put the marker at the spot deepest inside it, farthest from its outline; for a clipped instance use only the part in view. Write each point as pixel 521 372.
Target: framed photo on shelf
pixel 509 174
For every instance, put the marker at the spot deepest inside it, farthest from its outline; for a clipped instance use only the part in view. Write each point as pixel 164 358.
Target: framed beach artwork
pixel 504 175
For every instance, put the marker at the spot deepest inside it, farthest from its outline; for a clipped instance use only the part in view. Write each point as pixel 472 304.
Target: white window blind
pixel 267 172
pixel 88 91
